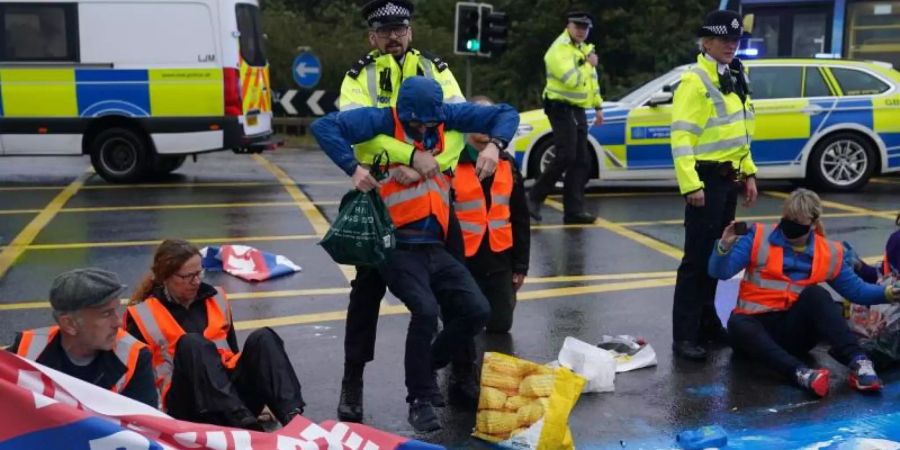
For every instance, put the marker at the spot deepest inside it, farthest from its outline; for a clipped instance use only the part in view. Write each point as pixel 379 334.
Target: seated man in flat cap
pixel 87 341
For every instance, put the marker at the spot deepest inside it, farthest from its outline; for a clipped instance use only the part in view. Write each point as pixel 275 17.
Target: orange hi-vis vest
pixel 474 217
pixel 127 350
pixel 885 266
pixel 161 333
pixel 765 287
pixel 417 201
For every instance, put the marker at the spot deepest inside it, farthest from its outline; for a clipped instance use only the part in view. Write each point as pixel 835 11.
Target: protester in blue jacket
pixel 421 272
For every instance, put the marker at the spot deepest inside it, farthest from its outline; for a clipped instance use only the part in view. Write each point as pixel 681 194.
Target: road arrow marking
pixel 285 102
pixel 303 70
pixel 313 103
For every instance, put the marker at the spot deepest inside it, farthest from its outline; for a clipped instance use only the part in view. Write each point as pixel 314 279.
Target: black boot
pixel 422 416
pixel 464 388
pixel 350 409
pixel 689 350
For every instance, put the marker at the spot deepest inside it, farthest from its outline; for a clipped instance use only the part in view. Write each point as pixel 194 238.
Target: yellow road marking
pixel 885 180
pixel 843 207
pixel 646 241
pixel 31 188
pixel 746 218
pixel 621 194
pixel 328 203
pixel 181 185
pixel 92 209
pixel 19 211
pixel 312 213
pixel 291 293
pixel 605 277
pixel 21 242
pixel 74 245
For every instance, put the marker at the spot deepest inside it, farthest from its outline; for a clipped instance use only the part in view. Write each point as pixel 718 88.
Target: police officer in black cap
pixel 712 123
pixel 374 80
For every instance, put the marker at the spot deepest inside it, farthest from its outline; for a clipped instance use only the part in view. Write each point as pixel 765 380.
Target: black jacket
pixel 486 261
pixel 104 371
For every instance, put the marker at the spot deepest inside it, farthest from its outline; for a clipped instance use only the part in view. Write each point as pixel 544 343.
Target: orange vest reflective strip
pixel 161 332
pixel 400 135
pixel 765 288
pixel 471 211
pixel 885 266
pixel 127 350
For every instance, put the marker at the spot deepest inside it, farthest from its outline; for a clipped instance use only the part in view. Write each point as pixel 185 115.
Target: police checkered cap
pixel 722 23
pixel 384 12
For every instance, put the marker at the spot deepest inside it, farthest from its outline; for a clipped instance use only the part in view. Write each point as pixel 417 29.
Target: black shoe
pixel 422 416
pixel 248 422
pixel 287 418
pixel 534 209
pixel 437 399
pixel 464 387
pixel 715 335
pixel 689 350
pixel 581 218
pixel 350 409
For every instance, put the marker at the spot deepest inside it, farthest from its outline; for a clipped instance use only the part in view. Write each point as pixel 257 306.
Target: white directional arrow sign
pixel 313 103
pixel 303 70
pixel 285 102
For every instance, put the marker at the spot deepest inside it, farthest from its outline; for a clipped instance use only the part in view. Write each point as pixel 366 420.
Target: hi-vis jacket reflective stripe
pixel 569 77
pixel 127 350
pixel 417 201
pixel 470 208
pixel 765 287
pixel 885 266
pixel 375 81
pixel 161 333
pixel 708 125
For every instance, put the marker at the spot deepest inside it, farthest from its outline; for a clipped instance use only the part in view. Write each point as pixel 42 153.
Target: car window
pixel 775 82
pixel 857 82
pixel 39 32
pixel 815 84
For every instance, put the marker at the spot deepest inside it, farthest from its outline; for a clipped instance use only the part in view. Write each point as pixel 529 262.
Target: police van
pixel 138 85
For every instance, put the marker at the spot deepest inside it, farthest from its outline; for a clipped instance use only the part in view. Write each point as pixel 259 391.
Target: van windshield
pixel 251 41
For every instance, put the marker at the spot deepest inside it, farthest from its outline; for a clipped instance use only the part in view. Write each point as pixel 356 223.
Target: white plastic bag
pixel 591 362
pixel 629 352
pixel 726 297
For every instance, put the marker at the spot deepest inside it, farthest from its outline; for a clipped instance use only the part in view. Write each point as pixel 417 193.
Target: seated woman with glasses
pixel 201 374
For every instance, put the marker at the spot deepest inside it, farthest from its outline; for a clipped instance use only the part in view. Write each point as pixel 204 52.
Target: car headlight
pixel 524 129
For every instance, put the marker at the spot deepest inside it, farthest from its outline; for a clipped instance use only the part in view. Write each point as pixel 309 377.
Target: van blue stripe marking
pixel 649 156
pixel 609 133
pixel 113 92
pixel 777 151
pixel 108 75
pixel 891 140
pixel 894 161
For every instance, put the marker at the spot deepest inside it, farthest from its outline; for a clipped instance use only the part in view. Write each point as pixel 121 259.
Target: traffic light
pixel 494 29
pixel 468 29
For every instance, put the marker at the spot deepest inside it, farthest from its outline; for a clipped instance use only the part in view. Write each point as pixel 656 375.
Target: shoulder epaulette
pixel 438 62
pixel 360 64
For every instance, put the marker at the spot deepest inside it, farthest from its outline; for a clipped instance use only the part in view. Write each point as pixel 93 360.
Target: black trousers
pixel 694 309
pixel 204 391
pixel 498 289
pixel 570 127
pixel 777 338
pixel 429 280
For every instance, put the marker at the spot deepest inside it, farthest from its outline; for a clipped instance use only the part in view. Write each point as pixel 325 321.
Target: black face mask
pixel 793 230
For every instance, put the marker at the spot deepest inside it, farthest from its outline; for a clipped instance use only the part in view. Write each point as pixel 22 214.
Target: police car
pixel 833 123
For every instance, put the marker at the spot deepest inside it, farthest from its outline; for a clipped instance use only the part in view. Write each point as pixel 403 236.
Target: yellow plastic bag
pixel 537 400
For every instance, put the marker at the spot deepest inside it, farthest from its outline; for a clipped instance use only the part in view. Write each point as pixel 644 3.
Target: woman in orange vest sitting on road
pixel 493 215
pixel 781 311
pixel 200 373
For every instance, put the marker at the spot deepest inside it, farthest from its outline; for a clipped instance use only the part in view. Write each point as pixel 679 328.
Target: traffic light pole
pixel 468 76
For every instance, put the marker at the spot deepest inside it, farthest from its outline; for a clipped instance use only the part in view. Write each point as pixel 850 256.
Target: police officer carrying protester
pixel 87 341
pixel 712 123
pixel 374 81
pixel 572 86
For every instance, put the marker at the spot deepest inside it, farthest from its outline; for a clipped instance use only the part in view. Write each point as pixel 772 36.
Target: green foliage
pixel 636 40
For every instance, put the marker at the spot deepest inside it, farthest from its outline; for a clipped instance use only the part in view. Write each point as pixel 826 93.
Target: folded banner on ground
pixel 46 409
pixel 247 263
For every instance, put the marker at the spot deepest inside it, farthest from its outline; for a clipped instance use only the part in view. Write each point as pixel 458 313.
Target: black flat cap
pixel 387 12
pixel 84 288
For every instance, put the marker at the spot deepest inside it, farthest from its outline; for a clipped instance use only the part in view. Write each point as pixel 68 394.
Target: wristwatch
pixel 499 143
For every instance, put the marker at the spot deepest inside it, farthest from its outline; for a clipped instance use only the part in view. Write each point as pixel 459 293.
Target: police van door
pixel 254 72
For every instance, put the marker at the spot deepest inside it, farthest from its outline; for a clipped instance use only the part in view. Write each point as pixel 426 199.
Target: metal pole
pixel 468 76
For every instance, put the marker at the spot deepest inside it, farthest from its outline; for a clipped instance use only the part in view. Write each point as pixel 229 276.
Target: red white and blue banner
pixel 45 409
pixel 247 263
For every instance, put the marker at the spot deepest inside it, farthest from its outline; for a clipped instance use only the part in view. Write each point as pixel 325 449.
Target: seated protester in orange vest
pixel 200 373
pixel 889 269
pixel 495 222
pixel 87 341
pixel 421 272
pixel 781 311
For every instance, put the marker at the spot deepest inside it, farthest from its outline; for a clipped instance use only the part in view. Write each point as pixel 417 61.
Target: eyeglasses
pixel 417 124
pixel 396 30
pixel 188 277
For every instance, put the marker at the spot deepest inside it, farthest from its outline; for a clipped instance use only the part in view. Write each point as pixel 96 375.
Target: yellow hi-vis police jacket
pixel 375 81
pixel 570 78
pixel 708 125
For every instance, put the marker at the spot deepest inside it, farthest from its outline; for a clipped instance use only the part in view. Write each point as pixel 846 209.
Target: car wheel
pixel 541 156
pixel 841 162
pixel 120 155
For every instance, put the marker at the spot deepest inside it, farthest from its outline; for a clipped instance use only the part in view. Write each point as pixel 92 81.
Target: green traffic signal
pixel 473 45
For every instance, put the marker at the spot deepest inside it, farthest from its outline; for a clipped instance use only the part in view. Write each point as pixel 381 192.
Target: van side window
pixel 857 82
pixel 251 41
pixel 39 32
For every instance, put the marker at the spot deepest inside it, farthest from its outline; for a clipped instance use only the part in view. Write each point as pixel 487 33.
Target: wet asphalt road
pixel 615 277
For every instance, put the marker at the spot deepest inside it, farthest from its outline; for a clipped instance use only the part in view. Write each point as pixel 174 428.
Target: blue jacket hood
pixel 420 99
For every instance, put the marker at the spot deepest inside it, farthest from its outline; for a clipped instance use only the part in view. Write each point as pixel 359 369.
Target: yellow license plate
pixel 252 120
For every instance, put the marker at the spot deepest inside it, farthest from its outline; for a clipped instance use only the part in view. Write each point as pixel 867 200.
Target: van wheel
pixel 120 155
pixel 164 165
pixel 842 162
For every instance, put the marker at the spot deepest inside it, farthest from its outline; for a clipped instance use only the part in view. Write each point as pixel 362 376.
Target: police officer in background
pixel 374 80
pixel 712 123
pixel 572 86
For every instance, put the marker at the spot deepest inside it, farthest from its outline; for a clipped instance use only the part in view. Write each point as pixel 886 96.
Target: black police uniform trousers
pixel 570 127
pixel 694 310
pixel 204 391
pixel 777 338
pixel 498 289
